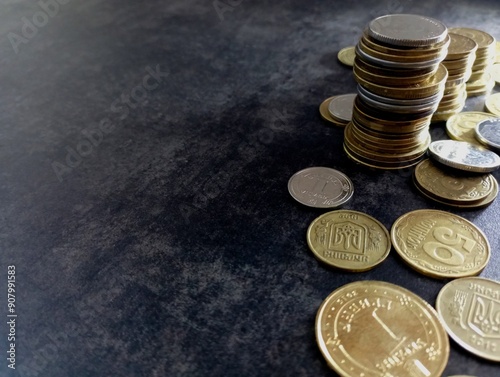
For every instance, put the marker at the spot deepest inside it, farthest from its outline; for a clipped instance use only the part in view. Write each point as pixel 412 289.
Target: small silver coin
pixel 488 133
pixel 464 156
pixel 321 187
pixel 340 107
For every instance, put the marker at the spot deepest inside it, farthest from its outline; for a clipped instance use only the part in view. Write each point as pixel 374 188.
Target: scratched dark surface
pixel 145 149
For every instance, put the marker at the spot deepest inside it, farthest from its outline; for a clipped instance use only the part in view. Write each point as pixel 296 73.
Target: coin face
pixel 470 311
pixel 488 133
pixel 340 107
pixel 374 328
pixel 462 126
pixel 325 114
pixel 349 240
pixel 346 56
pixel 495 72
pixel 440 244
pixel 321 187
pixel 450 185
pixel 483 39
pixel 464 156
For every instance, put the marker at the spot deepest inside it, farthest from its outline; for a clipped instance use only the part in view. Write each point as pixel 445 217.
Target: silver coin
pixel 464 156
pixel 321 187
pixel 340 107
pixel 407 30
pixel 488 133
pixel 381 105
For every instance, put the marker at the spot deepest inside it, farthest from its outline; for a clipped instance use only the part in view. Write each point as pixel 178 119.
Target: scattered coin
pixel 440 244
pixel 349 240
pixel 340 108
pixel 488 133
pixel 321 187
pixel 346 56
pixel 325 113
pixel 462 126
pixel 492 104
pixel 464 156
pixel 469 309
pixel 374 328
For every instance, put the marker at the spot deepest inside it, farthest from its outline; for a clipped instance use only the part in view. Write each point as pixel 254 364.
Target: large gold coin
pixel 440 244
pixel 346 56
pixel 492 104
pixel 462 126
pixel 470 311
pixel 451 185
pixel 349 240
pixel 376 329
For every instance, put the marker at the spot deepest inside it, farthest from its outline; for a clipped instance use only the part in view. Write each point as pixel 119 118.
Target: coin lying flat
pixel 470 311
pixel 488 133
pixel 440 244
pixel 464 156
pixel 321 187
pixel 349 240
pixel 374 329
pixel 492 104
pixel 462 126
pixel 346 56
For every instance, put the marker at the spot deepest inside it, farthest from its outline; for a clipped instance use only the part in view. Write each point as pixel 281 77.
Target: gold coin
pixel 325 114
pixel 462 126
pixel 495 73
pixel 440 244
pixel 373 328
pixel 484 40
pixel 415 51
pixel 469 309
pixel 450 185
pixel 460 46
pixel 346 56
pixel 349 240
pixel 492 104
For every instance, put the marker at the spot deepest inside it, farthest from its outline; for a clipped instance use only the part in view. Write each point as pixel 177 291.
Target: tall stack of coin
pixel 480 81
pixel 401 82
pixel 459 61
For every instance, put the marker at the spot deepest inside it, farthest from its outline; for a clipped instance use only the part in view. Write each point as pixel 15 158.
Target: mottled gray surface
pixel 172 247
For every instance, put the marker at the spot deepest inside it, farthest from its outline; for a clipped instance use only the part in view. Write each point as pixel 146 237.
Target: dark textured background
pixel 173 248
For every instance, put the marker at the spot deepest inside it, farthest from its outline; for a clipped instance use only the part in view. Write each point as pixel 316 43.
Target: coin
pixel 460 46
pixel 488 133
pixel 373 328
pixel 325 114
pixel 492 104
pixel 340 107
pixel 470 311
pixel 407 30
pixel 495 72
pixel 464 156
pixel 483 39
pixel 346 56
pixel 450 185
pixel 349 240
pixel 440 244
pixel 320 187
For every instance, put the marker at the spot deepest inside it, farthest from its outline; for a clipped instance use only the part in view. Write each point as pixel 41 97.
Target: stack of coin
pixel 458 62
pixel 480 81
pixel 401 82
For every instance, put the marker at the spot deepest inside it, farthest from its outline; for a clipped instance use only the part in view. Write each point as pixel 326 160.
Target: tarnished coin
pixel 349 240
pixel 464 156
pixel 346 56
pixel 492 104
pixel 340 107
pixel 470 311
pixel 451 185
pixel 440 244
pixel 488 133
pixel 321 187
pixel 374 329
pixel 462 126
pixel 325 114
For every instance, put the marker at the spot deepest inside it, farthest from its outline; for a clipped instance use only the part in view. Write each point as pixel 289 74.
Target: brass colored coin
pixel 460 46
pixel 420 74
pixel 349 240
pixel 492 104
pixel 462 126
pixel 346 56
pixel 340 107
pixel 495 73
pixel 469 310
pixel 450 185
pixel 464 156
pixel 374 328
pixel 440 244
pixel 325 114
